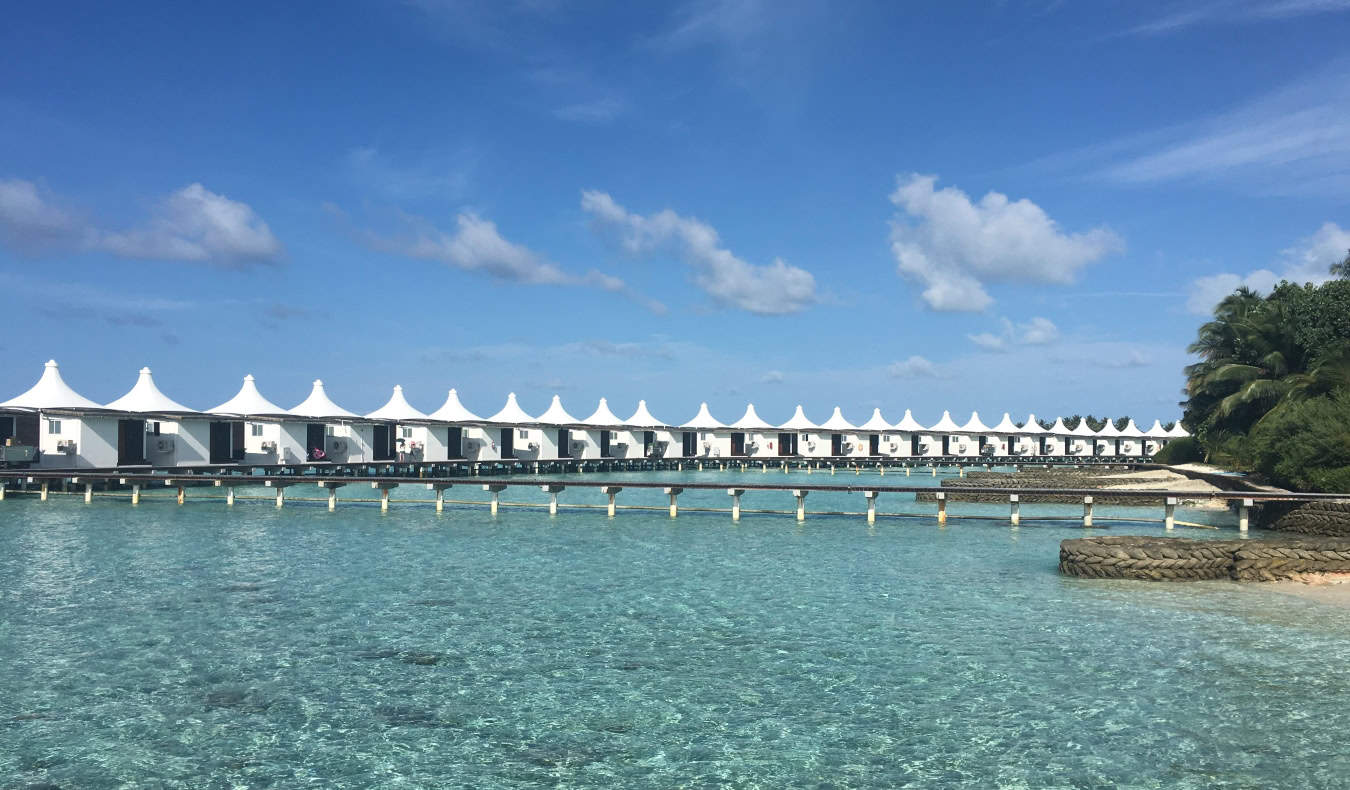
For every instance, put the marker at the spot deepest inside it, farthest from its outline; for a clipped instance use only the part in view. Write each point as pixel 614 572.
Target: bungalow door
pixel 454 442
pixel 738 444
pixel 564 443
pixel 648 439
pixel 874 444
pixel 604 444
pixel 314 441
pixel 785 444
pixel 222 442
pixel 384 442
pixel 690 441
pixel 507 442
pixel 914 447
pixel 130 442
pixel 237 447
pixel 836 444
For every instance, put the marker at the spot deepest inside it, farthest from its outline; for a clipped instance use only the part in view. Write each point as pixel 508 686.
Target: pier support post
pixel 735 502
pixel 1087 511
pixel 135 493
pixel 496 489
pixel 332 487
pixel 88 493
pixel 439 488
pixel 229 496
pixel 281 490
pixel 552 491
pixel 871 506
pixel 942 507
pixel 182 494
pixel 2 490
pixel 610 491
pixel 1015 513
pixel 673 493
pixel 801 500
pixel 1244 514
pixel 1170 512
pixel 960 471
pixel 42 493
pixel 384 494
pixel 906 471
pixel 934 468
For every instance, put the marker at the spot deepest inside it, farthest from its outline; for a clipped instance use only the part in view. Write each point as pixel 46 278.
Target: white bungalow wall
pixel 95 439
pixel 1130 446
pixel 1104 448
pixel 480 443
pixel 179 443
pixel 813 445
pixel 930 445
pixel 714 444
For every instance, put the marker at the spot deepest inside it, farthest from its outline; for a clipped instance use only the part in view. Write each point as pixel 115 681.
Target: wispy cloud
pixel 1038 331
pixel 917 367
pixel 951 246
pixel 475 244
pixel 772 289
pixel 597 111
pixel 447 176
pixel 1295 140
pixel 1183 15
pixel 1307 261
pixel 193 224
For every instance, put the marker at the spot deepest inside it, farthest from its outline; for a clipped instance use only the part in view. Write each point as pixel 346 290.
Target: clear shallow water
pixel 200 647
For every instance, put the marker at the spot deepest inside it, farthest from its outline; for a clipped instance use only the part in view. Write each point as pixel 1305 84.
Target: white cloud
pixel 1308 261
pixel 598 111
pixel 476 245
pixel 28 219
pixel 952 246
pixel 774 289
pixel 773 377
pixel 443 175
pixel 1039 331
pixel 193 224
pixel 916 367
pixel 196 224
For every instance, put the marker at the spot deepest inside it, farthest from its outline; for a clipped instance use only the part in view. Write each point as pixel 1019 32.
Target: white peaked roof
pixel 703 420
pixel 798 422
pixel 1005 425
pixel 318 404
pixel 511 413
pixel 51 392
pixel 750 421
pixel 1178 432
pixel 603 417
pixel 555 414
pixel 397 408
pixel 908 423
pixel 248 401
pixel 1031 426
pixel 453 411
pixel 1060 429
pixel 145 397
pixel 837 422
pixel 945 425
pixel 1082 429
pixel 875 422
pixel 1131 430
pixel 974 424
pixel 643 418
pixel 1156 431
pixel 1109 430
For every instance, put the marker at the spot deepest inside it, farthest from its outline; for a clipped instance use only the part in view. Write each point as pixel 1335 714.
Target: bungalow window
pixel 255 429
pixel 152 428
pixel 523 434
pixel 54 426
pixel 406 433
pixel 328 430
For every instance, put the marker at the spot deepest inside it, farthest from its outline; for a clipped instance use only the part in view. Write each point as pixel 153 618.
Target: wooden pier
pixel 223 486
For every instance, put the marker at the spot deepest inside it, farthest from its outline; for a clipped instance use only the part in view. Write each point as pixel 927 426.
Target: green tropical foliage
pixel 1272 368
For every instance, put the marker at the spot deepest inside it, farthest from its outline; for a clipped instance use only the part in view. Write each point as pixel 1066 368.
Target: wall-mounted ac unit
pixel 66 446
pixel 532 447
pixel 336 446
pixel 164 444
pixel 268 447
pixel 810 445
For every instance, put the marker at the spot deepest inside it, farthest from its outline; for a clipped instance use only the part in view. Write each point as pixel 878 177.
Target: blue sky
pixel 1022 206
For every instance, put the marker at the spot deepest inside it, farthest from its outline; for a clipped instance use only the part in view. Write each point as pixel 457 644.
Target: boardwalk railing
pixel 134 484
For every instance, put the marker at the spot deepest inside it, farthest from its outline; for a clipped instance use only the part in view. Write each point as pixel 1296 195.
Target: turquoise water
pixel 203 647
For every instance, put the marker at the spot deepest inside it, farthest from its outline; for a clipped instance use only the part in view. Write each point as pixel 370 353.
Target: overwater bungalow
pixel 650 437
pixel 601 435
pixel 464 433
pixel 555 435
pixel 795 434
pixel 972 438
pixel 1032 438
pixel 67 429
pixel 518 434
pixel 1060 439
pixel 843 436
pixel 1081 440
pixel 940 438
pixel 1003 437
pixel 154 429
pixel 1178 432
pixel 254 425
pixel 1131 441
pixel 877 436
pixel 1106 444
pixel 401 433
pixel 705 437
pixel 1154 438
pixel 319 430
pixel 909 434
pixel 752 437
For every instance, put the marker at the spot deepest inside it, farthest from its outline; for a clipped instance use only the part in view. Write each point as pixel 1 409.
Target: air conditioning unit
pixel 471 441
pixel 532 447
pixel 337 446
pixel 847 447
pixel 894 447
pixel 810 445
pixel 963 448
pixel 66 446
pixel 578 446
pixel 269 447
pixel 751 447
pixel 923 449
pixel 164 444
